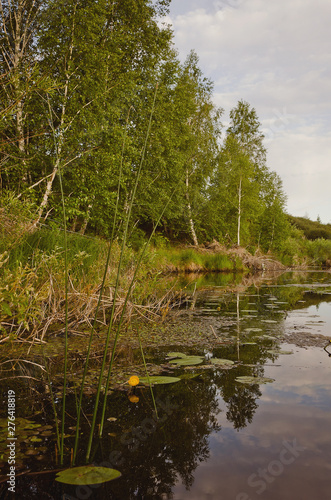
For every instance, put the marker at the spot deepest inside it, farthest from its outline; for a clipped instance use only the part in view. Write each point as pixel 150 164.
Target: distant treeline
pixel 311 229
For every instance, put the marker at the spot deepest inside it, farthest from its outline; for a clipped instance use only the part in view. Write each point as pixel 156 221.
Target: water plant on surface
pixel 181 359
pixel 224 362
pixel 246 379
pixel 159 380
pixel 87 474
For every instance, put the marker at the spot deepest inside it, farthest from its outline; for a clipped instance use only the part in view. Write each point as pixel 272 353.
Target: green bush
pixel 319 251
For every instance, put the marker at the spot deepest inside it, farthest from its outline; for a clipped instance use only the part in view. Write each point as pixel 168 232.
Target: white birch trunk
pixel 189 209
pixel 239 212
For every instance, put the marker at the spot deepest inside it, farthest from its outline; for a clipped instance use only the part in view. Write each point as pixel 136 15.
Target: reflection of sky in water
pixel 313 319
pixel 257 461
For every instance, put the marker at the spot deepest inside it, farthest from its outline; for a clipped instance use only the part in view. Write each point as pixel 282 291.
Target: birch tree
pixel 19 79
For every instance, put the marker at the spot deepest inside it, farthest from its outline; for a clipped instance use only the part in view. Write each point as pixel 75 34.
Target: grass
pixel 194 260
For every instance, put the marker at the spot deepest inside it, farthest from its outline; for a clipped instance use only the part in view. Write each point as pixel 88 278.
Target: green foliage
pixel 16 216
pixel 319 251
pixel 312 230
pixel 190 259
pixel 77 100
pixel 297 250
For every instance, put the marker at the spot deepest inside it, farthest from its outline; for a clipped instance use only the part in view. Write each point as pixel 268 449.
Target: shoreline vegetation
pixel 32 292
pixel 125 144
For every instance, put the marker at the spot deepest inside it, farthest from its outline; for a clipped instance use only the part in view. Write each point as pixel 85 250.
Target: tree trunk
pixel 61 133
pixel 87 218
pixel 239 212
pixel 189 209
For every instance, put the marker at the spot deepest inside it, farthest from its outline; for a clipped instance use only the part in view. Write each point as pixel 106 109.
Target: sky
pixel 276 55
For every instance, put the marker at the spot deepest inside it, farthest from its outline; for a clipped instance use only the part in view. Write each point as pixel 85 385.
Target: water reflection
pixel 217 438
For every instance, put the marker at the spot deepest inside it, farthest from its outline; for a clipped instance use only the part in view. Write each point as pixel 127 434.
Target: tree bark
pixel 239 212
pixel 189 209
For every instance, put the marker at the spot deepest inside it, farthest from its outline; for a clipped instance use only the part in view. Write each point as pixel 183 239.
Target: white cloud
pixel 276 56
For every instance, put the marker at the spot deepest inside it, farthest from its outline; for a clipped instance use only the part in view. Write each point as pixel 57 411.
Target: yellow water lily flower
pixel 134 380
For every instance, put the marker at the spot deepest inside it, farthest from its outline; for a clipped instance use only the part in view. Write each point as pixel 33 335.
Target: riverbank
pixel 33 280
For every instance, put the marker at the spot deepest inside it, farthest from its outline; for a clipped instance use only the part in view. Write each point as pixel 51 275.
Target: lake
pixel 255 426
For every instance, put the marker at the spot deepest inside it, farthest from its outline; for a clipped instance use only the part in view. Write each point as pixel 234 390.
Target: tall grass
pixel 194 260
pixel 126 226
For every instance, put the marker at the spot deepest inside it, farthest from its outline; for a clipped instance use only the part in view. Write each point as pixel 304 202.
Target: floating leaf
pixel 218 361
pixel 248 343
pixel 158 380
pixel 246 379
pixel 45 428
pixel 275 351
pixel 188 360
pixel 176 355
pixel 35 439
pixel 88 474
pixel 31 451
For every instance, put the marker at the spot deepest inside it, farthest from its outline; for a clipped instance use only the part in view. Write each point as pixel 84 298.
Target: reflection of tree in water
pixel 242 405
pixel 153 463
pixel 240 399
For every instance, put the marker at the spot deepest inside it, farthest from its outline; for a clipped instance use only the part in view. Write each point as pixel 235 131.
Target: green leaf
pixel 275 351
pixel 158 380
pixel 88 474
pixel 176 355
pixel 188 360
pixel 253 380
pixel 6 309
pixel 218 361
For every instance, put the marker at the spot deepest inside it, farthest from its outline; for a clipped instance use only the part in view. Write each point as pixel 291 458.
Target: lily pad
pixel 188 360
pixel 35 439
pixel 176 355
pixel 218 361
pixel 246 379
pixel 88 474
pixel 158 380
pixel 275 351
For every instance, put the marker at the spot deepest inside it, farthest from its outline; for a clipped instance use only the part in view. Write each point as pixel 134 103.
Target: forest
pixel 107 137
pixel 84 85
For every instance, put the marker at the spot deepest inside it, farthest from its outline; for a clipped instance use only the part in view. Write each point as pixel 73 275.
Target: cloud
pixel 276 56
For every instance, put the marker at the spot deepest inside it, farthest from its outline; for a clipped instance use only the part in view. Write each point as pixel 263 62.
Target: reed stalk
pixel 53 404
pixel 142 253
pixel 128 216
pixel 65 368
pixel 100 294
pixel 58 147
pixel 147 374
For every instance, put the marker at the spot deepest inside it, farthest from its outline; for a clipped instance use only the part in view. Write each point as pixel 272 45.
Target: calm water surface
pixel 217 438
